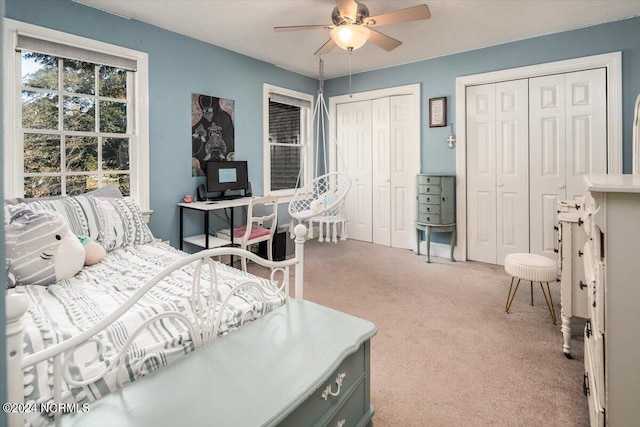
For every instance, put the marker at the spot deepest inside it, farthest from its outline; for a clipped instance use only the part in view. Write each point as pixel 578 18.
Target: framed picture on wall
pixel 437 112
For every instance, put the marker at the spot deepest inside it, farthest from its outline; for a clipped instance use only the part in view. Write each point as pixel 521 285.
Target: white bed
pixel 142 307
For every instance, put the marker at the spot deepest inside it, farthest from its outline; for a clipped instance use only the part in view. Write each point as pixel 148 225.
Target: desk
pixel 205 240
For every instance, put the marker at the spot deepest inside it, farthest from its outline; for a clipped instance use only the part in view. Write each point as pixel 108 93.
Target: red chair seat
pixel 256 231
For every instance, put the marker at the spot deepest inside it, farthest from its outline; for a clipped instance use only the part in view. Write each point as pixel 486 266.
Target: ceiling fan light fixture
pixel 350 36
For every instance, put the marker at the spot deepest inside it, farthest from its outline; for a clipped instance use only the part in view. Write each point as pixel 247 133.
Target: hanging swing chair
pixel 321 200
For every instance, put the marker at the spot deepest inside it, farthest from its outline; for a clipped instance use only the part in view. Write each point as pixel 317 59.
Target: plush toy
pixel 40 248
pixel 93 251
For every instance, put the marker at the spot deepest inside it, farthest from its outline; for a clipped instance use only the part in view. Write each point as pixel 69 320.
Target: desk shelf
pixel 199 240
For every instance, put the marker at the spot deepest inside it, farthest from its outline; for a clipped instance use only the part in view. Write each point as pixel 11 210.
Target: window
pixel 288 153
pixel 78 119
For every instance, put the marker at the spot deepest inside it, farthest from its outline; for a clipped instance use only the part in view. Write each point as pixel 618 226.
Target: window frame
pixel 13 161
pixel 306 140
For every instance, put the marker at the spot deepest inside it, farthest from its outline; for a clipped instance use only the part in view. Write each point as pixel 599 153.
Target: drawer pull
pixel 580 222
pixel 587 329
pixel 585 384
pixel 580 253
pixel 582 285
pixel 341 423
pixel 327 391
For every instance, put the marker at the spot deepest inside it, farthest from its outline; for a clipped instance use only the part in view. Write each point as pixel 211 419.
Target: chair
pixel 534 268
pixel 262 221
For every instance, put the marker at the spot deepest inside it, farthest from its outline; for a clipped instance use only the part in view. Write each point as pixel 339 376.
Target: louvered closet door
pixel 481 173
pixel 354 135
pixel 381 214
pixel 404 164
pixel 567 140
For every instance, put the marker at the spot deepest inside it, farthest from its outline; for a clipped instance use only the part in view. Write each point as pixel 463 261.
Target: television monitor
pixel 227 176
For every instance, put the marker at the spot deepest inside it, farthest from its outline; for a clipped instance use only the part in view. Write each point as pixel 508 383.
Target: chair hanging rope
pixel 321 200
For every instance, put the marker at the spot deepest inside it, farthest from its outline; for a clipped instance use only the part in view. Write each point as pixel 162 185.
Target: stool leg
pixel 549 302
pixel 510 296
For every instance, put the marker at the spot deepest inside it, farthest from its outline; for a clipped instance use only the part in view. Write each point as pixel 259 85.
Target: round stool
pixel 534 268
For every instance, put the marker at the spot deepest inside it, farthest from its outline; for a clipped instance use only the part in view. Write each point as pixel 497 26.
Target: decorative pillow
pixel 124 224
pixel 41 249
pixel 108 191
pixel 83 214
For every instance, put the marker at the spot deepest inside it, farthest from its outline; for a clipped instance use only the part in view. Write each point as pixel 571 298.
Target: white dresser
pixel 573 288
pixel 612 272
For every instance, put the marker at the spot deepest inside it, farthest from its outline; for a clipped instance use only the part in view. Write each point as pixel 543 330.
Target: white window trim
pixel 266 164
pixel 13 161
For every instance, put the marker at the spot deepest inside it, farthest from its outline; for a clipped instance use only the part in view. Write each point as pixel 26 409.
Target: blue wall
pixel 438 77
pixel 178 66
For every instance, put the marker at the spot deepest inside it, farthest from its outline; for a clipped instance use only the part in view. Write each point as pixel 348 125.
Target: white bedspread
pixel 65 309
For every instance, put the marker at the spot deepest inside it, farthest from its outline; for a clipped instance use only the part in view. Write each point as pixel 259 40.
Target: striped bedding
pixel 63 310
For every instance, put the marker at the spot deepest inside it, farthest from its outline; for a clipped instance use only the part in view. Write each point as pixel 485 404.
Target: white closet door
pixel 512 168
pixel 568 139
pixel 586 95
pixel 354 134
pixel 547 122
pixel 481 170
pixel 404 165
pixel 381 212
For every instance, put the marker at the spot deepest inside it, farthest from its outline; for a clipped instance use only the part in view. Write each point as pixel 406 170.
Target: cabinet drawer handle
pixel 580 253
pixel 582 285
pixel 327 391
pixel 341 423
pixel 585 384
pixel 587 329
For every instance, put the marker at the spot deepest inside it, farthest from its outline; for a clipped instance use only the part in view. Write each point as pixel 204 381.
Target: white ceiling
pixel 246 26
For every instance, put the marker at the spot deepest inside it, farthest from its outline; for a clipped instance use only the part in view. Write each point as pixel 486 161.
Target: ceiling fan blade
pixel 409 14
pixel 330 44
pixel 382 40
pixel 302 27
pixel 348 9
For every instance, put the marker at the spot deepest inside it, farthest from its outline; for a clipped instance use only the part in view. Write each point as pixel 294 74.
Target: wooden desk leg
pixel 453 242
pixel 428 244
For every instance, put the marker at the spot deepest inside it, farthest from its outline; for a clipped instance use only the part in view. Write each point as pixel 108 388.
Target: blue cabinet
pixel 436 195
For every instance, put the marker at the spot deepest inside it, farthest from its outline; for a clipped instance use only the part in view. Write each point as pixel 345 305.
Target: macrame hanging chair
pixel 321 200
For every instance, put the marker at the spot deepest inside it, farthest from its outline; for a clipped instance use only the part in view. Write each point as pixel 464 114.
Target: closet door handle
pixel 500 184
pixel 561 186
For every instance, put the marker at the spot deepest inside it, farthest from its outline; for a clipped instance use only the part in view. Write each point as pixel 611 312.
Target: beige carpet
pixel 446 353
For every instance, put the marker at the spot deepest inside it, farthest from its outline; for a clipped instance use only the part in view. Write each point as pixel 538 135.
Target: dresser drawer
pixel 594 277
pixel 424 208
pixel 322 401
pixel 593 385
pixel 429 218
pixel 428 199
pixel 426 179
pixel 429 189
pixel 352 410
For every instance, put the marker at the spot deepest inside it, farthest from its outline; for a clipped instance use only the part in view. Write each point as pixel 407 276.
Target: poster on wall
pixel 212 131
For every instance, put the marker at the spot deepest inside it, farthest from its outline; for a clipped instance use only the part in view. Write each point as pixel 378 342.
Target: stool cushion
pixel 535 268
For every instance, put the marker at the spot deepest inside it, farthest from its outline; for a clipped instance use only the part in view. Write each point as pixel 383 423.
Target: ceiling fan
pixel 352 26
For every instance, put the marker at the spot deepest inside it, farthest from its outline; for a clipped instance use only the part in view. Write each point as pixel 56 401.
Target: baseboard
pixel 440 250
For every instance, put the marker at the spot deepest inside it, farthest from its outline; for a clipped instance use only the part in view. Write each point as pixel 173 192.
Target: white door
pixel 404 164
pixel 381 214
pixel 512 168
pixel 568 139
pixel 481 172
pixel 354 136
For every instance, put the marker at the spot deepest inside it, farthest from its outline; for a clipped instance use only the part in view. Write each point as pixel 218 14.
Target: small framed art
pixel 437 112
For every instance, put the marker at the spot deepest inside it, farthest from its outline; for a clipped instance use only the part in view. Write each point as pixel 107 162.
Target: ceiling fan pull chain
pixel 350 53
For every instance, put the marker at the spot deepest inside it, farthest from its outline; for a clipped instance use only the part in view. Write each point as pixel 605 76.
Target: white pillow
pixel 124 224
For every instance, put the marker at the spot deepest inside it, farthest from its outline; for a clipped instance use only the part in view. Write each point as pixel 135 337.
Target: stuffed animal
pixel 93 251
pixel 40 248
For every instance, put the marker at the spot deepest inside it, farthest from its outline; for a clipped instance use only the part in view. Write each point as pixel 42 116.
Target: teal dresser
pixel 436 209
pixel 301 365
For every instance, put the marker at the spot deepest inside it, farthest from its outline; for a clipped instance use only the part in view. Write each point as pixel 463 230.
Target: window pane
pixel 79 114
pixel 79 77
pixel 285 167
pixel 41 153
pixel 113 117
pixel 39 70
pixel 41 186
pixel 79 184
pixel 115 154
pixel 39 110
pixel 119 180
pixel 113 82
pixel 81 153
pixel 284 123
